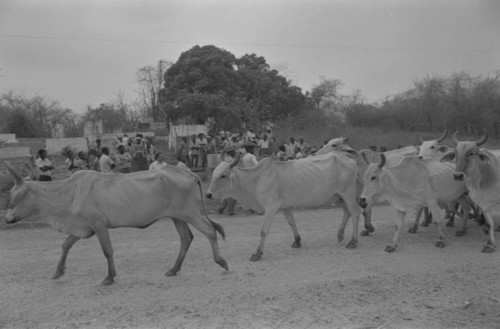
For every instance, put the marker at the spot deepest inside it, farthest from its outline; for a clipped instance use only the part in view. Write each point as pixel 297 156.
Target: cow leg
pixel 367 214
pixel 264 231
pixel 103 236
pixel 343 224
pixel 186 237
pixel 291 221
pixel 466 207
pixel 206 227
pixel 66 246
pixel 351 209
pixel 427 217
pixel 392 247
pixel 435 211
pixel 414 228
pixel 490 245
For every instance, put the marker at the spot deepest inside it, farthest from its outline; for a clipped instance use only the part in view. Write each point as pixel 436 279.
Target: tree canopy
pixel 207 81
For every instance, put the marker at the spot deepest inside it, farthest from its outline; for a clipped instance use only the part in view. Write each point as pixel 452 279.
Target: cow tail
pixel 217 226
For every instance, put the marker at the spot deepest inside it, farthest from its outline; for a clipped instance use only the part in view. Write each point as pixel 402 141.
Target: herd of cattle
pixel 410 179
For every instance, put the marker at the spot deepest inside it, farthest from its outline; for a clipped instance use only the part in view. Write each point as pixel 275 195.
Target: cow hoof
pixel 58 274
pixel 107 281
pixel 222 262
pixel 296 244
pixel 171 272
pixel 352 244
pixel 488 248
pixel 340 238
pixel 439 244
pixel 370 228
pixel 413 230
pixel 390 249
pixel 449 223
pixel 365 233
pixel 254 258
pixel 460 233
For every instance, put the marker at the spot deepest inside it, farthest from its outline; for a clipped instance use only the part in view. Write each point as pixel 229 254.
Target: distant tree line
pixel 460 102
pixel 210 82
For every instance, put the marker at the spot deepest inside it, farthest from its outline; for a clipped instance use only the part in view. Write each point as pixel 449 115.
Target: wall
pixel 55 145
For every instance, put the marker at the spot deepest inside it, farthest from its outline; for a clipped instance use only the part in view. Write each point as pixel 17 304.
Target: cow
pixel 339 144
pixel 274 185
pixel 409 186
pixel 432 149
pixel 90 202
pixel 480 169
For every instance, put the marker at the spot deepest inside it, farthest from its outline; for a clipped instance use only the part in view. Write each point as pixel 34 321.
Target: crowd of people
pixel 193 150
pixel 130 154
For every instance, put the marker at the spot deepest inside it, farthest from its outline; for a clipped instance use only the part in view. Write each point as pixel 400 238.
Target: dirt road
pixel 321 285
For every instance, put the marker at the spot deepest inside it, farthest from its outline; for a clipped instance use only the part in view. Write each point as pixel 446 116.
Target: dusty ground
pixel 321 285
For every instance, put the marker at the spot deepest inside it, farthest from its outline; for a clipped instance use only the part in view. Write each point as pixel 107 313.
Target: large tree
pixel 207 81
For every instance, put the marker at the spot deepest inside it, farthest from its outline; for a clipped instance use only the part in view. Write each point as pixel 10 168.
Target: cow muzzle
pixel 208 195
pixel 362 202
pixel 458 176
pixel 11 219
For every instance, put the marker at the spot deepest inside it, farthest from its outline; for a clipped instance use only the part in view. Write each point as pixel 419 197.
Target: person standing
pixel 106 165
pixel 139 161
pixel 290 148
pixel 249 160
pixel 202 143
pixel 229 155
pixel 194 151
pixel 123 160
pixel 264 146
pixel 183 151
pixel 44 166
pixel 158 163
pixel 70 162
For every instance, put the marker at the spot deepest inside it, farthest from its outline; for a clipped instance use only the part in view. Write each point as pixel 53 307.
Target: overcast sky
pixel 84 52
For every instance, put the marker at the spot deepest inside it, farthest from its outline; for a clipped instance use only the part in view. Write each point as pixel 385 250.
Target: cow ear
pixel 448 157
pixel 443 148
pixel 483 157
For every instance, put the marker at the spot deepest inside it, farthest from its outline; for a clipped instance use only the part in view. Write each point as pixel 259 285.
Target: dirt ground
pixel 321 285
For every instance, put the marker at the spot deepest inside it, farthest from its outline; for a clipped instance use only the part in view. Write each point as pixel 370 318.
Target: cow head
pixel 372 185
pixel 21 201
pixel 467 155
pixel 336 144
pixel 220 186
pixel 431 149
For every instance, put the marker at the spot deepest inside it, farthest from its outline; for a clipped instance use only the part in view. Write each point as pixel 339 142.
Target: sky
pixel 84 53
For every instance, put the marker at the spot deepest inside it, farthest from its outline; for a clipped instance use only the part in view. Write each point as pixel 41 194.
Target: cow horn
pixel 236 160
pixel 363 155
pixel 19 180
pixel 382 160
pixel 454 137
pixel 483 139
pixel 443 136
pixel 420 139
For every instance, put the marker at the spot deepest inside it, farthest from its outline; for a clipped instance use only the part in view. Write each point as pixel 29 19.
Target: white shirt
pixel 249 160
pixel 264 144
pixel 157 165
pixel 105 163
pixel 42 163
